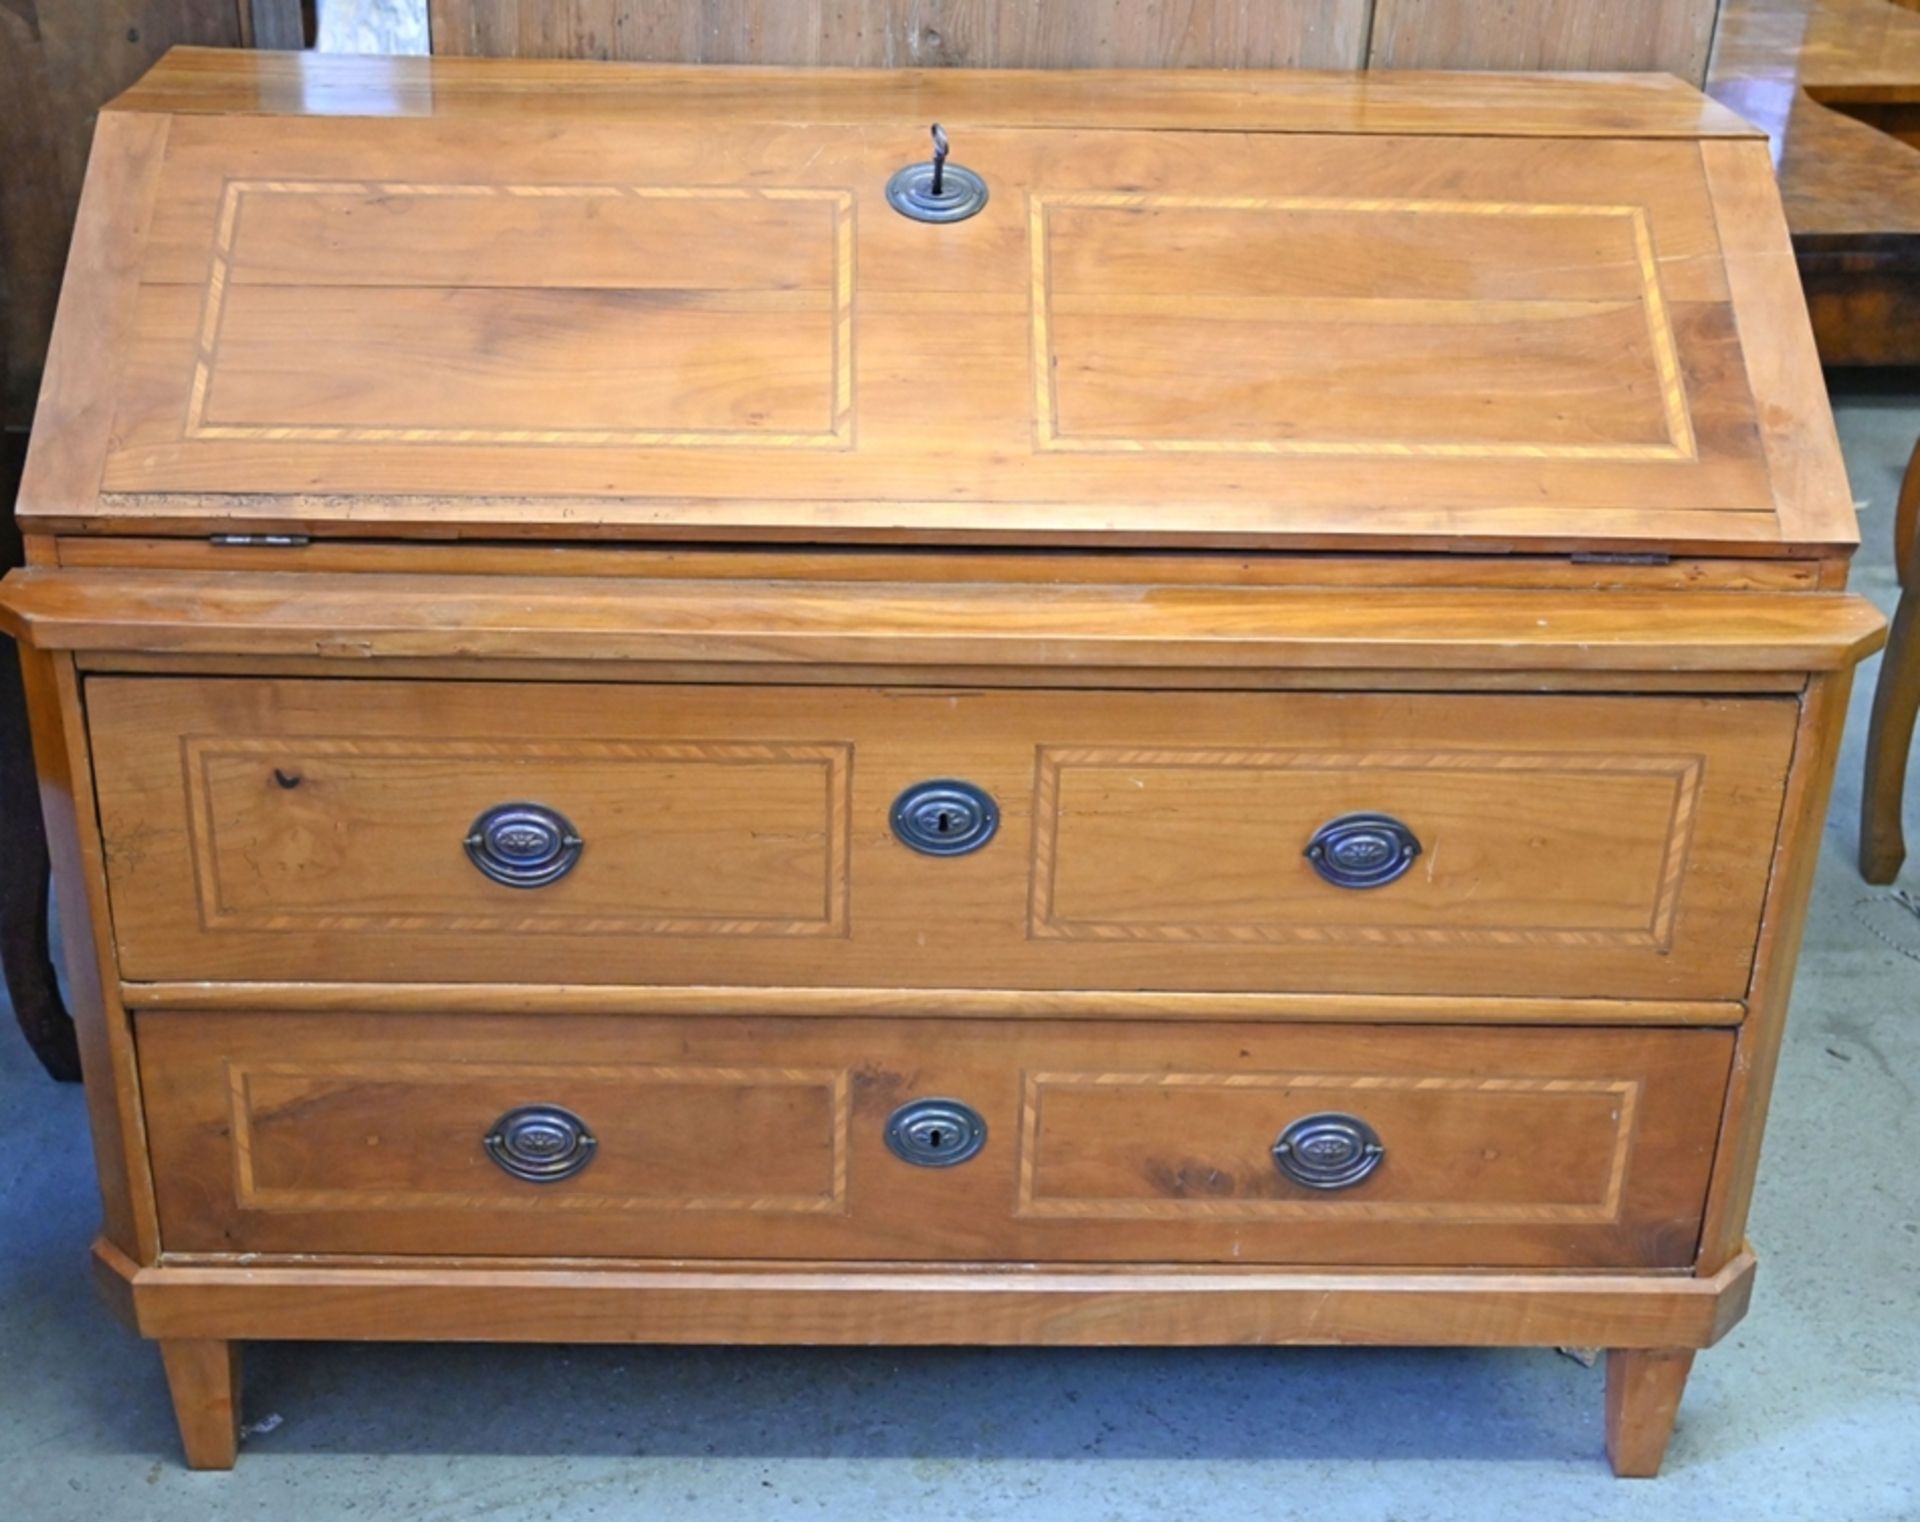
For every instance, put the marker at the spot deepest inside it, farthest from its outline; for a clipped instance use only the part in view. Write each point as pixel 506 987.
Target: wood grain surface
pixel 105 1034
pixel 904 626
pixel 764 1139
pixel 721 328
pixel 314 830
pixel 206 81
pixel 1249 34
pixel 413 998
pixel 203 1377
pixel 1835 84
pixel 1663 35
pixel 1644 1386
pixel 868 563
pixel 60 61
pixel 1265 452
pixel 1666 36
pixel 828 1304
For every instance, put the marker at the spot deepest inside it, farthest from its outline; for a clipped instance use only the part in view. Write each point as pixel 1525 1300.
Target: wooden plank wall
pixel 59 61
pixel 1670 35
pixel 916 33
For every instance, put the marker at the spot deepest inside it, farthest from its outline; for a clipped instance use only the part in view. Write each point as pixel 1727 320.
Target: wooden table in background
pixel 1836 85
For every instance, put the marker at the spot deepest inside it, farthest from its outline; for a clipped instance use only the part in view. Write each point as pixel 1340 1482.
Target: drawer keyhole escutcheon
pixel 541 1143
pixel 935 1133
pixel 1328 1151
pixel 1362 850
pixel 945 817
pixel 523 845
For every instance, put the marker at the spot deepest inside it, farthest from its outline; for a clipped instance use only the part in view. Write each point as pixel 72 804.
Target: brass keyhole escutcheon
pixel 937 191
pixel 945 817
pixel 935 1133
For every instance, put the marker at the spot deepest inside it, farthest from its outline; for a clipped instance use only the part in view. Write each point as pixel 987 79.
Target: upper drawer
pixel 330 830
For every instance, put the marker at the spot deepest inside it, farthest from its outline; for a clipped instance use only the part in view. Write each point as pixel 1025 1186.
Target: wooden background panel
pixel 1671 36
pixel 1668 35
pixel 1251 34
pixel 59 60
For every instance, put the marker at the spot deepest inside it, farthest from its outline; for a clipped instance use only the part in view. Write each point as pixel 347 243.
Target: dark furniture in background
pixel 25 957
pixel 1836 85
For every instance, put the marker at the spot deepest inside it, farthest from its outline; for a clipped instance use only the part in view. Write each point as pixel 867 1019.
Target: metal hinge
pixel 1651 557
pixel 258 541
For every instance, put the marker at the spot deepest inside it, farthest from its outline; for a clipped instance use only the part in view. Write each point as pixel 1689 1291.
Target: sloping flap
pixel 501 319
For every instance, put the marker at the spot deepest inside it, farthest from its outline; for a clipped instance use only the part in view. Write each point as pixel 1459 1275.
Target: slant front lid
pixel 689 309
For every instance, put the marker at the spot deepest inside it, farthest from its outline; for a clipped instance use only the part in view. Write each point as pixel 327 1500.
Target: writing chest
pixel 671 714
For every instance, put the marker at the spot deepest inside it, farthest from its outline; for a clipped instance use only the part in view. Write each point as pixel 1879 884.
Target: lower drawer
pixel 751 1138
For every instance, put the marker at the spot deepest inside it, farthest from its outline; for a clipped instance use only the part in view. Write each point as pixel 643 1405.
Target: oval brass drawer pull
pixel 541 1143
pixel 1362 850
pixel 523 845
pixel 1328 1151
pixel 945 817
pixel 935 1133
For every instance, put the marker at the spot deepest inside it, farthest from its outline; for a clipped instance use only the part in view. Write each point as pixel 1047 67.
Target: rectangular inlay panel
pixel 365 834
pixel 1539 1150
pixel 1366 327
pixel 507 314
pixel 602 332
pixel 1499 834
pixel 393 1135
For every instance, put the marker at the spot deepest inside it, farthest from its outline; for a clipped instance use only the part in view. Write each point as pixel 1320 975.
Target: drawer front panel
pixel 768 1139
pixel 1549 845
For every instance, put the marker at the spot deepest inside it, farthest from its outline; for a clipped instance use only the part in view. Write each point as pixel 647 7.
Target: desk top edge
pixel 215 81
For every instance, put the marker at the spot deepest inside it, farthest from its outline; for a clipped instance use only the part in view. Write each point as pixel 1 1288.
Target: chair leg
pixel 26 961
pixel 204 1378
pixel 1643 1398
pixel 1896 701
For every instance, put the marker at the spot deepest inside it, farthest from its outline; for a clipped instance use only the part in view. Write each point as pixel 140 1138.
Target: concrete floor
pixel 1810 1409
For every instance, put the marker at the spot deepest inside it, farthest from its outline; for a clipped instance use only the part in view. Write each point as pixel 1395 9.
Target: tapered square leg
pixel 204 1377
pixel 1643 1398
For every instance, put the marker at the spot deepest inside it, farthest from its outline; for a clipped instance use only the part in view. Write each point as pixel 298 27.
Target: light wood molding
pixel 745 1303
pixel 932 1003
pixel 218 82
pixel 907 625
pixel 114 1111
pixel 1823 713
